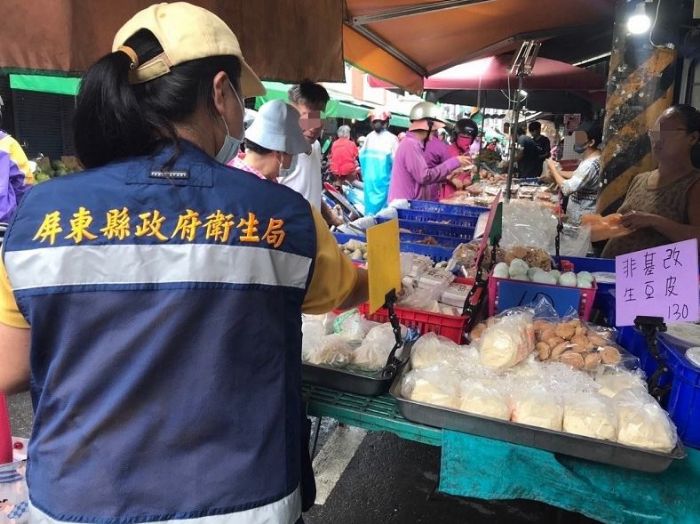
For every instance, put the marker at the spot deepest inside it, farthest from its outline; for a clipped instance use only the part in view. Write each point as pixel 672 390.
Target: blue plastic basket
pixel 447 209
pixel 437 253
pixel 634 342
pixel 438 218
pixel 464 234
pixel 684 400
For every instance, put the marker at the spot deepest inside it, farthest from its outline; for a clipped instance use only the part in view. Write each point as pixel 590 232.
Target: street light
pixel 638 21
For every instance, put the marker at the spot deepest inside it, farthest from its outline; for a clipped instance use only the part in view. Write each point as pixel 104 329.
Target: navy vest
pixel 165 307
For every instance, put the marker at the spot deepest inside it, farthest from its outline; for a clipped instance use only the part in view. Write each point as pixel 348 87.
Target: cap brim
pixel 250 83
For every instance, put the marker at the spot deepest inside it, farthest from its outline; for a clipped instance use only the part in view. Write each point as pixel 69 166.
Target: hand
pixel 464 161
pixel 635 220
pixel 457 183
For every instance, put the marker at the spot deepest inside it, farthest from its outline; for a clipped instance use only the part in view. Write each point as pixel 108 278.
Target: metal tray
pixel 369 384
pixel 564 443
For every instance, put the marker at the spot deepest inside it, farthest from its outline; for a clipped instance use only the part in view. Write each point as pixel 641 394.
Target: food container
pixel 557 442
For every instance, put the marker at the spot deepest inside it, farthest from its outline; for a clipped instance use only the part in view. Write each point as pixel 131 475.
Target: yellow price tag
pixel 383 262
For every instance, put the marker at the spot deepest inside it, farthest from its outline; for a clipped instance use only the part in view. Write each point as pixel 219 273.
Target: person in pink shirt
pixel 272 142
pixel 410 174
pixel 464 136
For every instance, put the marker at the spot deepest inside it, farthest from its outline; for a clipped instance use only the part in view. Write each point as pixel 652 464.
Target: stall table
pixel 478 467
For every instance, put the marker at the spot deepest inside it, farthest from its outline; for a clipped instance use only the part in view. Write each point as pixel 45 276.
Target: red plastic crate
pixel 584 308
pixel 448 326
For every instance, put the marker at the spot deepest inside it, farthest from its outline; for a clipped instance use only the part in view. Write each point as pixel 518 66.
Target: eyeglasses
pixel 655 136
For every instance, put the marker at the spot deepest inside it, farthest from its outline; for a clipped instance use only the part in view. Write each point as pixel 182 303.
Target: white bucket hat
pixel 276 127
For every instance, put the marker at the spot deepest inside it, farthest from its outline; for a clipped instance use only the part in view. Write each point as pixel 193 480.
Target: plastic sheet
pixel 509 340
pixel 374 351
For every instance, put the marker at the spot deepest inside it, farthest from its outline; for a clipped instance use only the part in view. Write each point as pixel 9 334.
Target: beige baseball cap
pixel 185 32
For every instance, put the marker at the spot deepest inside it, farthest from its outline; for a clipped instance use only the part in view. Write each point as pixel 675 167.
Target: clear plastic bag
pixel 14 497
pixel 351 326
pixel 590 415
pixel 536 405
pixel 431 350
pixel 437 385
pixel 509 340
pixel 642 423
pixel 312 331
pixel 374 351
pixel 413 265
pixel 614 381
pixel 331 350
pixel 528 224
pixel 486 398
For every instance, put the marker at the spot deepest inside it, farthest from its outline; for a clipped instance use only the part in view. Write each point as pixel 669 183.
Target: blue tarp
pixel 478 467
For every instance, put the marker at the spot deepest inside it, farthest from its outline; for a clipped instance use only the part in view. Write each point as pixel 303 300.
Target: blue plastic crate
pixel 447 209
pixel 634 342
pixel 417 238
pixel 437 253
pixel 464 234
pixel 684 400
pixel 438 218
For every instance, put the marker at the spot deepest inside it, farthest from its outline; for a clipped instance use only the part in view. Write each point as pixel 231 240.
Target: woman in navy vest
pixel 152 303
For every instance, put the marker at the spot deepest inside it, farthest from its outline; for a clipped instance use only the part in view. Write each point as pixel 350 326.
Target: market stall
pixel 523 385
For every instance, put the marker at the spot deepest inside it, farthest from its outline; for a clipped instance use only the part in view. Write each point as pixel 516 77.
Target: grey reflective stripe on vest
pixel 154 264
pixel 283 511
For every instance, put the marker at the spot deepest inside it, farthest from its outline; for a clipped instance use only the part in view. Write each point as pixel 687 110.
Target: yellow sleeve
pixel 18 156
pixel 9 312
pixel 334 275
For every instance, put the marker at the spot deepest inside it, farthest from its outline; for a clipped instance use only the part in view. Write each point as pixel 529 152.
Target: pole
pixel 513 137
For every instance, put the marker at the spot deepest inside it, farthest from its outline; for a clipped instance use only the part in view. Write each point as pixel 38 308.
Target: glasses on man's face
pixel 657 135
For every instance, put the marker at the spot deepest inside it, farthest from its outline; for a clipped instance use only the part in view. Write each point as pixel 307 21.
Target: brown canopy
pixel 69 35
pixel 403 41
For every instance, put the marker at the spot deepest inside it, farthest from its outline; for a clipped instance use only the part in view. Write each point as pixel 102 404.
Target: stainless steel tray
pixel 360 383
pixel 564 443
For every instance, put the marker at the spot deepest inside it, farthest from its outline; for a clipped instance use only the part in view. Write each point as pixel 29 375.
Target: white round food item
pixel 501 270
pixel 542 277
pixel 538 408
pixel 483 399
pixel 533 271
pixel 568 279
pixel 556 274
pixel 585 275
pixel 590 416
pixel 584 283
pixel 518 267
pixel 431 349
pixel 642 423
pixel 613 383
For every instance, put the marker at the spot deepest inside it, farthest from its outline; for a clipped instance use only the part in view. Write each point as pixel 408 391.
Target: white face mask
pixel 286 171
pixel 231 146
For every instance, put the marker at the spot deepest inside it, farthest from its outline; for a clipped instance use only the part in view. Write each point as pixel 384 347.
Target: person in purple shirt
pixel 411 175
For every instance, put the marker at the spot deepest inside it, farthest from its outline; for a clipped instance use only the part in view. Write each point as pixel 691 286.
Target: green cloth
pixel 478 467
pixel 58 85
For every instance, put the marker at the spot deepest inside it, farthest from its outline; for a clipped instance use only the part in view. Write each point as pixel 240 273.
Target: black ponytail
pixel 115 119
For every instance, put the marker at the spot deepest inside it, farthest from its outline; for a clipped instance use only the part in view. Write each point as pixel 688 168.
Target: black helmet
pixel 465 126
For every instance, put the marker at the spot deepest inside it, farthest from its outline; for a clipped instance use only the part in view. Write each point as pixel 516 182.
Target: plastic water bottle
pixel 5 433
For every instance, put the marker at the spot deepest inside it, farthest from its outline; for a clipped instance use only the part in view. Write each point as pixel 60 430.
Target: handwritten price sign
pixel 659 282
